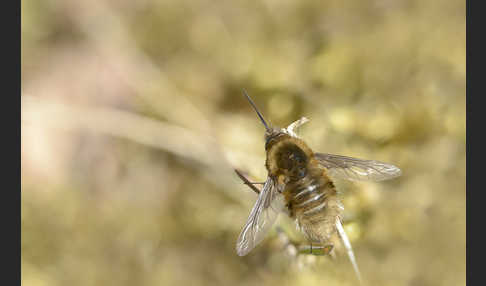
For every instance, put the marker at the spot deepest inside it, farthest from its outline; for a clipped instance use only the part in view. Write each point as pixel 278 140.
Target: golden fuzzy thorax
pixel 282 143
pixel 309 193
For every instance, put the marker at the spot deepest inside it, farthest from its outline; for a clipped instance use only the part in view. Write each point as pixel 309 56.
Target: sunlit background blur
pixel 133 118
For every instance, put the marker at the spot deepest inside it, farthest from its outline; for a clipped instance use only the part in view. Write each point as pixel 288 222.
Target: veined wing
pixel 264 213
pixel 354 169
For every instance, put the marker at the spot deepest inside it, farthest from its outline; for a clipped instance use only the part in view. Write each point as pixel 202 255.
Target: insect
pixel 299 183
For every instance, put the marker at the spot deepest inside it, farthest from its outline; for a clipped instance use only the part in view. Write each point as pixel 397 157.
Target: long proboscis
pixel 256 110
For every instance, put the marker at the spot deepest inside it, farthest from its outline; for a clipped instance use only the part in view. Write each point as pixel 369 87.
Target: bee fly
pixel 299 183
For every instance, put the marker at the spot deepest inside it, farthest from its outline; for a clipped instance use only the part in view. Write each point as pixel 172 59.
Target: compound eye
pixel 269 142
pixel 302 173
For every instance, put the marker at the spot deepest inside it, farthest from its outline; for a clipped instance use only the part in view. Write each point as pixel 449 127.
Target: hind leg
pixel 295 248
pixel 316 249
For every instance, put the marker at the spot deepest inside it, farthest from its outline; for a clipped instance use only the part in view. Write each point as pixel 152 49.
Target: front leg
pixel 248 183
pixel 292 128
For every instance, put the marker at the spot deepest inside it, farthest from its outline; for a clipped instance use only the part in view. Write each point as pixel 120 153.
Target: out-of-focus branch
pixel 182 142
pixel 106 31
pixel 173 139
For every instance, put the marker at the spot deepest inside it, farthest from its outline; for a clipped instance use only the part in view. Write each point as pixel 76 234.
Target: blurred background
pixel 133 119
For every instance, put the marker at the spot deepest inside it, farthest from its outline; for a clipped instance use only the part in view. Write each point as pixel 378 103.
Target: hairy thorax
pixel 309 193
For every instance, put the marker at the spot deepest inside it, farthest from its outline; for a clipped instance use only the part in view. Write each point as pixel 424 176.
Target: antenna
pixel 256 110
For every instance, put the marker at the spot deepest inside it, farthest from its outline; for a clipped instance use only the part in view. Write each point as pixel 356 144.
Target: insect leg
pixel 317 250
pixel 246 182
pixel 295 248
pixel 292 128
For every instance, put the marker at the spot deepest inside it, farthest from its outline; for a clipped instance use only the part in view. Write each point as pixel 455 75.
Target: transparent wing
pixel 264 213
pixel 354 169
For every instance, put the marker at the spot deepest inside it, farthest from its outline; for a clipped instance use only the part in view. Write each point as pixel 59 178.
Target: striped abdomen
pixel 312 200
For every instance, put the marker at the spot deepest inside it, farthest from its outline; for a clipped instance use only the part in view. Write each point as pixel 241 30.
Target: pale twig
pixel 349 249
pixel 106 31
pixel 202 149
pixel 168 137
